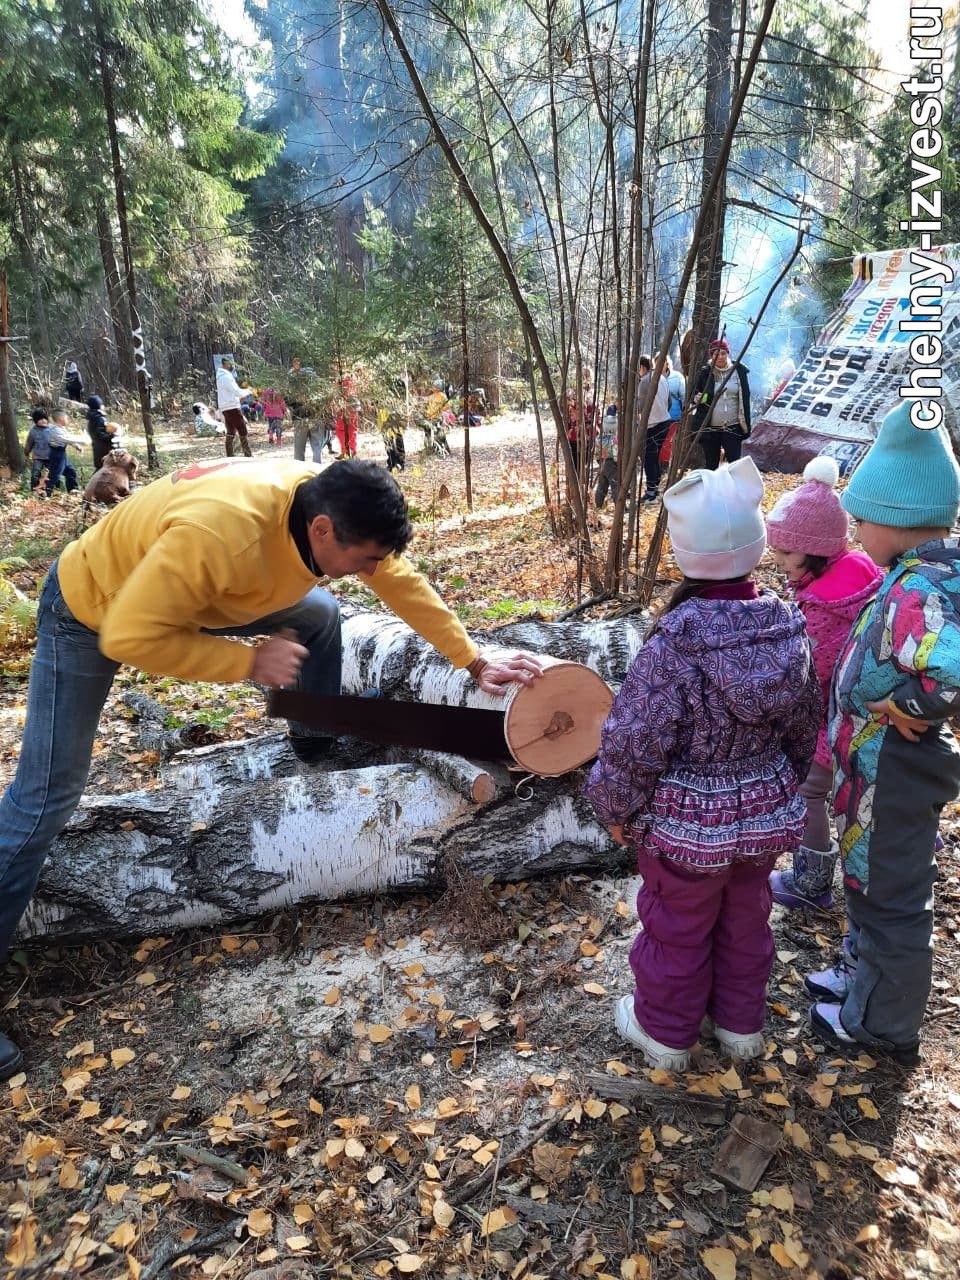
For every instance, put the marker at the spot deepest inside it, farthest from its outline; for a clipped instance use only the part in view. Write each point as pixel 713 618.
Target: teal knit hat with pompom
pixel 908 480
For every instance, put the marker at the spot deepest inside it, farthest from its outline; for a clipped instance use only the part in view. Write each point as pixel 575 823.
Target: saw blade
pixel 463 731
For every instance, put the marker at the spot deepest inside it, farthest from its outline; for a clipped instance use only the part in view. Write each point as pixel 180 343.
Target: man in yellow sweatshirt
pixel 219 549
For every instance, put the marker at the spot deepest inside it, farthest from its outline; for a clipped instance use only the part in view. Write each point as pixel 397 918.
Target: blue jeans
pixel 60 466
pixel 69 682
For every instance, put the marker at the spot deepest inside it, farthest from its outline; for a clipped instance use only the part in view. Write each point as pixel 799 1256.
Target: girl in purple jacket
pixel 808 533
pixel 699 768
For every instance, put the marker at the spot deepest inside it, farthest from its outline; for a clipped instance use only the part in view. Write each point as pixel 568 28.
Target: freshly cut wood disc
pixel 554 725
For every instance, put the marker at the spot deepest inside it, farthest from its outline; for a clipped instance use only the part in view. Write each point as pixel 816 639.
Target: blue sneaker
pixel 833 984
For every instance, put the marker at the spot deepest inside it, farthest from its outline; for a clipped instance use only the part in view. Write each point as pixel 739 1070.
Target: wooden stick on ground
pixel 229 1168
pixel 473 1188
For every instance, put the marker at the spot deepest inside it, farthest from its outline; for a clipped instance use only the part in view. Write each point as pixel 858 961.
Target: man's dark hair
pixel 363 502
pixel 644 362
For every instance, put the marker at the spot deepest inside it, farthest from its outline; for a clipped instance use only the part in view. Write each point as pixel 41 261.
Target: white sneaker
pixel 655 1053
pixel 740 1046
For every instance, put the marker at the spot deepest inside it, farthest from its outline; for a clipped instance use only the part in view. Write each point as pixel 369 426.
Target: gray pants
pixel 304 430
pixel 606 481
pixel 891 924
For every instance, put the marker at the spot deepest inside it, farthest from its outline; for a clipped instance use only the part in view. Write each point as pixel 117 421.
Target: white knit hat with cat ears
pixel 715 522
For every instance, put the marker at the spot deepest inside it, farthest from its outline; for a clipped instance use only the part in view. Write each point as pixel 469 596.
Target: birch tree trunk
pixel 240 830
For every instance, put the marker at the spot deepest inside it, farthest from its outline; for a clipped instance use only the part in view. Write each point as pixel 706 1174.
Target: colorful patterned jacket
pixel 906 644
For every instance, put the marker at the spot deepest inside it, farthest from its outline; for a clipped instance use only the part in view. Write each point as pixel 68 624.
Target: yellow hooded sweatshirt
pixel 210 547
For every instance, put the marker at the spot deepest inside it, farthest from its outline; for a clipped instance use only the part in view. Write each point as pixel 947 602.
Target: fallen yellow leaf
pixel 636 1267
pixel 408 1262
pixel 443 1213
pixel 496 1220
pixel 378 1033
pixel 259 1222
pixel 899 1174
pixel 721 1263
pixel 780 1256
pixel 124 1235
pixel 120 1057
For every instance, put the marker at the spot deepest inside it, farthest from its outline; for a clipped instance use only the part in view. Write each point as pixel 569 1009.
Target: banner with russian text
pixel 836 400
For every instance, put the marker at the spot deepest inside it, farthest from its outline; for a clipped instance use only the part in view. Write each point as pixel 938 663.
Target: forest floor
pixel 434 1087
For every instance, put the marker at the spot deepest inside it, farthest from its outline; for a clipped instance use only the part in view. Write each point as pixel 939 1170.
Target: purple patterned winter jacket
pixel 713 729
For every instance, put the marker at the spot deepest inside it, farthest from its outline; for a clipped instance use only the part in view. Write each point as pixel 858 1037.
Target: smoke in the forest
pixel 757 247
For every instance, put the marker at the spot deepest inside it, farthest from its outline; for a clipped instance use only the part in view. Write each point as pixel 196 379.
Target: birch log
pixel 228 835
pixel 235 830
pixel 380 650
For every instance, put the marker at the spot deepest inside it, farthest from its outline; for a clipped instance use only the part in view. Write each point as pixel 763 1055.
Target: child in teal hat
pixel 896 763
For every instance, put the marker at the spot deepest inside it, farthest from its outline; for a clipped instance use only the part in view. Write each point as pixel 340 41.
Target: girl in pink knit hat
pixel 807 534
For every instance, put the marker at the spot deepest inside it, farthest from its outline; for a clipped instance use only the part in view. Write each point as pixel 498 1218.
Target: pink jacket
pixel 274 405
pixel 831 604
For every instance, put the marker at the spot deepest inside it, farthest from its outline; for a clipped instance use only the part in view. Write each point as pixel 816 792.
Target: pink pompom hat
pixel 810 519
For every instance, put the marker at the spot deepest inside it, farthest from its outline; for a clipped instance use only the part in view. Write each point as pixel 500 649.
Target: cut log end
pixel 484 789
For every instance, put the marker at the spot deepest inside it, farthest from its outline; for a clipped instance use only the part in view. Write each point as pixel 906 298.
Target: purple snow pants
pixel 706 947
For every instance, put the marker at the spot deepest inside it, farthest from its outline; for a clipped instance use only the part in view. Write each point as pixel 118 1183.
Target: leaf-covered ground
pixel 435 1087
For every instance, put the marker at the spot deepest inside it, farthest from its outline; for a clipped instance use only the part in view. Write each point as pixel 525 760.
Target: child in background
pixel 102 433
pixel 204 423
pixel 60 464
pixel 37 448
pixel 390 426
pixel 807 533
pixel 897 684
pixel 346 422
pixel 274 409
pixel 699 769
pixel 607 456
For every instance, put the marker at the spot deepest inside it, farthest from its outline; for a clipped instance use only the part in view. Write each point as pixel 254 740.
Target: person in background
pixel 73 383
pixel 677 385
pixel 607 456
pixel 581 429
pixel 390 426
pixel 724 425
pixel 103 434
pixel 204 423
pixel 807 533
pixel 274 410
pixel 699 768
pixel 305 429
pixel 229 399
pixel 658 424
pixel 346 422
pixel 36 447
pixel 896 761
pixel 60 464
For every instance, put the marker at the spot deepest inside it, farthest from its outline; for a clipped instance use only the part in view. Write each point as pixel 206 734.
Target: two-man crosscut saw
pixel 464 731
